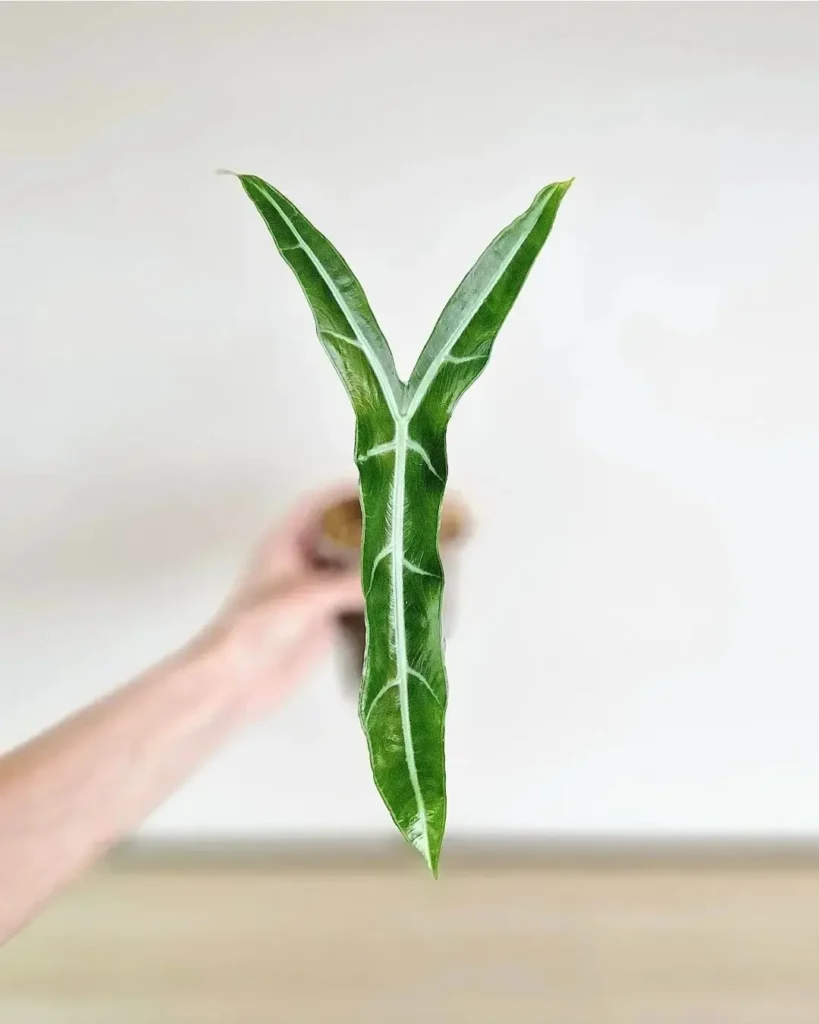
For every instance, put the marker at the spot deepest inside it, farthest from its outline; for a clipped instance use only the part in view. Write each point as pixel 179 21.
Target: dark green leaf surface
pixel 400 450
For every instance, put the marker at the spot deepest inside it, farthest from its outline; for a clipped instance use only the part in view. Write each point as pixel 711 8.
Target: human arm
pixel 69 794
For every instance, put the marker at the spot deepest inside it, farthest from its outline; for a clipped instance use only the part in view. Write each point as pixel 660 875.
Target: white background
pixel 636 645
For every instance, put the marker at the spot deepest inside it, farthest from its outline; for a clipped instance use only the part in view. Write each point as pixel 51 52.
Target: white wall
pixel 636 646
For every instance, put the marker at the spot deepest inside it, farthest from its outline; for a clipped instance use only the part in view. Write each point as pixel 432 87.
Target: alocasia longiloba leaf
pixel 400 451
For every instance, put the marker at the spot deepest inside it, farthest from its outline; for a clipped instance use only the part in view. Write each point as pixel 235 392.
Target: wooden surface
pixel 356 942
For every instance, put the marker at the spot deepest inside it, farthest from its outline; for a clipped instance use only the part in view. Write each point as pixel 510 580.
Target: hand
pixel 281 617
pixel 71 792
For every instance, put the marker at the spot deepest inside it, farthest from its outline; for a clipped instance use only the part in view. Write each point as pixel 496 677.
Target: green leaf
pixel 400 451
pixel 461 341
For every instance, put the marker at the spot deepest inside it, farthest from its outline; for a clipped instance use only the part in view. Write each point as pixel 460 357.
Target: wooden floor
pixel 358 941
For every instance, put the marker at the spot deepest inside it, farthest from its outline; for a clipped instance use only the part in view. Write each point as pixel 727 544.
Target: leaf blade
pixel 345 323
pixel 466 330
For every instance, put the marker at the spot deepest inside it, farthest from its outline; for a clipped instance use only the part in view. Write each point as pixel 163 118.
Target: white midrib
pixel 401 659
pixel 400 446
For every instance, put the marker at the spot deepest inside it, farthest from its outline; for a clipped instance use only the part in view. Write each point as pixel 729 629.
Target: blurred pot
pixel 338 545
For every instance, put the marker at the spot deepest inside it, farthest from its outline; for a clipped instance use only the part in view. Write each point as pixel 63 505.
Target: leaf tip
pixel 553 193
pixel 432 858
pixel 430 850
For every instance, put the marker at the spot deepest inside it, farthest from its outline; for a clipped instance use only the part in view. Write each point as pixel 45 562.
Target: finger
pixel 289 547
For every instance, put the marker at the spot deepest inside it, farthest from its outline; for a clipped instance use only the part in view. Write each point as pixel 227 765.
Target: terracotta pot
pixel 338 545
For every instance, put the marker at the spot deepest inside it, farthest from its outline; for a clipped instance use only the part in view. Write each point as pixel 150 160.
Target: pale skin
pixel 69 794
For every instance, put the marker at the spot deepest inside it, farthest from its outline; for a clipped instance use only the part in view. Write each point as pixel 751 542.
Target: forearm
pixel 68 795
